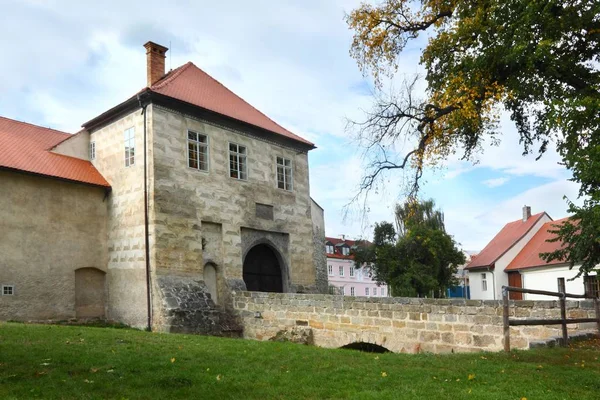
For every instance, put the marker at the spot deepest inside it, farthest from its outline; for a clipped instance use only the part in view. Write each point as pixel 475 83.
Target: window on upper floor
pixel 484 282
pixel 352 271
pixel 352 291
pixel 330 270
pixel 197 151
pixel 238 167
pixel 8 290
pixel 284 173
pixel 366 291
pixel 329 248
pixel 345 251
pixel 129 137
pixel 341 270
pixel 92 151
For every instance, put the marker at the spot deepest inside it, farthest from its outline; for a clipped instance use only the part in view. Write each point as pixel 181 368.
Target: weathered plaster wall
pixel 48 229
pixel 126 250
pixel 77 146
pixel 399 324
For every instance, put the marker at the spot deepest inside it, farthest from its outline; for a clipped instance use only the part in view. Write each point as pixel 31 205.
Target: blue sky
pixel 66 62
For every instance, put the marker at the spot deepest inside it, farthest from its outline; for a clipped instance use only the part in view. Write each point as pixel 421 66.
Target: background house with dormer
pixel 157 209
pixel 344 277
pixel 512 258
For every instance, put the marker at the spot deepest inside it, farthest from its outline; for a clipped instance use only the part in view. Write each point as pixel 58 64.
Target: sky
pixel 65 62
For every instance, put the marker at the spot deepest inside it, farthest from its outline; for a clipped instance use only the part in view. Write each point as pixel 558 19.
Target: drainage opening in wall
pixel 366 347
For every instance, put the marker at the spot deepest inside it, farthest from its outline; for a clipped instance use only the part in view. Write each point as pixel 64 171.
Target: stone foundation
pixel 401 324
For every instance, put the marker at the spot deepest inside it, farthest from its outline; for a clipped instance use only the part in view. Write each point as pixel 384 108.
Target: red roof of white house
pixel 191 84
pixel 26 147
pixel 503 241
pixel 529 257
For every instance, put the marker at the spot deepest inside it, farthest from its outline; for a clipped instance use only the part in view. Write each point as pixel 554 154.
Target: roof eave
pixel 59 178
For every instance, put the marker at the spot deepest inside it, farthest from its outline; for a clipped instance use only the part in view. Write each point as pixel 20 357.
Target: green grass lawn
pixel 45 361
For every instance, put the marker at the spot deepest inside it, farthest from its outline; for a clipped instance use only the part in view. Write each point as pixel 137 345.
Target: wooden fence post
pixel 505 319
pixel 563 311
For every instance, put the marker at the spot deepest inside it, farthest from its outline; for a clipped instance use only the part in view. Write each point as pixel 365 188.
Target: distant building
pixel 343 277
pixel 512 258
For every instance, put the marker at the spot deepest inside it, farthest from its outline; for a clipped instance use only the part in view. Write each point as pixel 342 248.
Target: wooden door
pixel 514 279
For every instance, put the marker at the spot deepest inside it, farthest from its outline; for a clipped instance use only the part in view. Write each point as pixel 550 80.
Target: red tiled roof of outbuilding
pixel 503 241
pixel 26 147
pixel 191 84
pixel 529 257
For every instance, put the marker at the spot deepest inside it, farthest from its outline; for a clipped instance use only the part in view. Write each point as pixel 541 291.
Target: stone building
pixel 157 210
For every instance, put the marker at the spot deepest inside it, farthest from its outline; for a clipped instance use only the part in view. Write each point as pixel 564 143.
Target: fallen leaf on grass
pixel 93 370
pixel 383 374
pixel 173 360
pixel 471 377
pixel 219 377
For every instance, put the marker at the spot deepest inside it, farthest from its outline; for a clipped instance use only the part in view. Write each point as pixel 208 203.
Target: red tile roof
pixel 337 253
pixel 190 84
pixel 529 257
pixel 26 147
pixel 503 241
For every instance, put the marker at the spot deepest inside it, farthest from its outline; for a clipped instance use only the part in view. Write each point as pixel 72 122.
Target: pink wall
pixel 360 281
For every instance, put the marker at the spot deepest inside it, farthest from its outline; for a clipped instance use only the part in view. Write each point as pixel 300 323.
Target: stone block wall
pixel 400 324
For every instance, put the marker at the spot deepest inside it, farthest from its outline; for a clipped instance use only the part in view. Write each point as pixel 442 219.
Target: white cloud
pixel 495 182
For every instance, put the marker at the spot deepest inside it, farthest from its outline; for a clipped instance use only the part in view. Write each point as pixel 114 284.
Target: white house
pixel 512 258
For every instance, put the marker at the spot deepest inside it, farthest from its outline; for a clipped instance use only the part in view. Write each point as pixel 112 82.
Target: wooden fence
pixel 562 295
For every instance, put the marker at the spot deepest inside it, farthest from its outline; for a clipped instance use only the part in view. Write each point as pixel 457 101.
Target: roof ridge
pixel 184 67
pixel 171 75
pixel 34 125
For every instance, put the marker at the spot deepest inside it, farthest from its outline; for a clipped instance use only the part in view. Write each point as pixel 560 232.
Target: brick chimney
pixel 155 62
pixel 526 213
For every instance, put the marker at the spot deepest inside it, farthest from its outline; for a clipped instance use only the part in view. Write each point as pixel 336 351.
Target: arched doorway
pixel 89 293
pixel 262 270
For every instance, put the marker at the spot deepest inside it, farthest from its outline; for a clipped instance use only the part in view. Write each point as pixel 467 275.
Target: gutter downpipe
pixel 142 98
pixel 493 279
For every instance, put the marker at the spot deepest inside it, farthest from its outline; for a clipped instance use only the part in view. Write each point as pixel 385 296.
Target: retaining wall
pixel 401 324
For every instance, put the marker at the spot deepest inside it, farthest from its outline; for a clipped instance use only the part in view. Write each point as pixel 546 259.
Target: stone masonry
pixel 400 324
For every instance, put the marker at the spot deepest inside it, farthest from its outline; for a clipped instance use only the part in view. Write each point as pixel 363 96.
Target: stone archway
pixel 262 270
pixel 89 293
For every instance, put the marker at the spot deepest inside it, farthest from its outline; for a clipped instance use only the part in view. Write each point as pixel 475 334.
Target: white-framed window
pixel 8 290
pixel 238 167
pixel 329 248
pixel 374 291
pixel 341 270
pixel 284 173
pixel 330 270
pixel 366 291
pixel 352 291
pixel 129 137
pixel 484 282
pixel 92 150
pixel 197 150
pixel 345 251
pixel 382 292
pixel 351 271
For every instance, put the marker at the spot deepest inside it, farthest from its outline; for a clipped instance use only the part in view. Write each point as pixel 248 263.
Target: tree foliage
pixel 419 262
pixel 538 60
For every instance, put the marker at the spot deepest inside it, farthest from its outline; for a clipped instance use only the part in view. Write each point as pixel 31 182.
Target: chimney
pixel 526 213
pixel 155 62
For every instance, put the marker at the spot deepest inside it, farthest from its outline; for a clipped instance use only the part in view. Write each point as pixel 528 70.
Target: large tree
pixel 538 60
pixel 417 261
